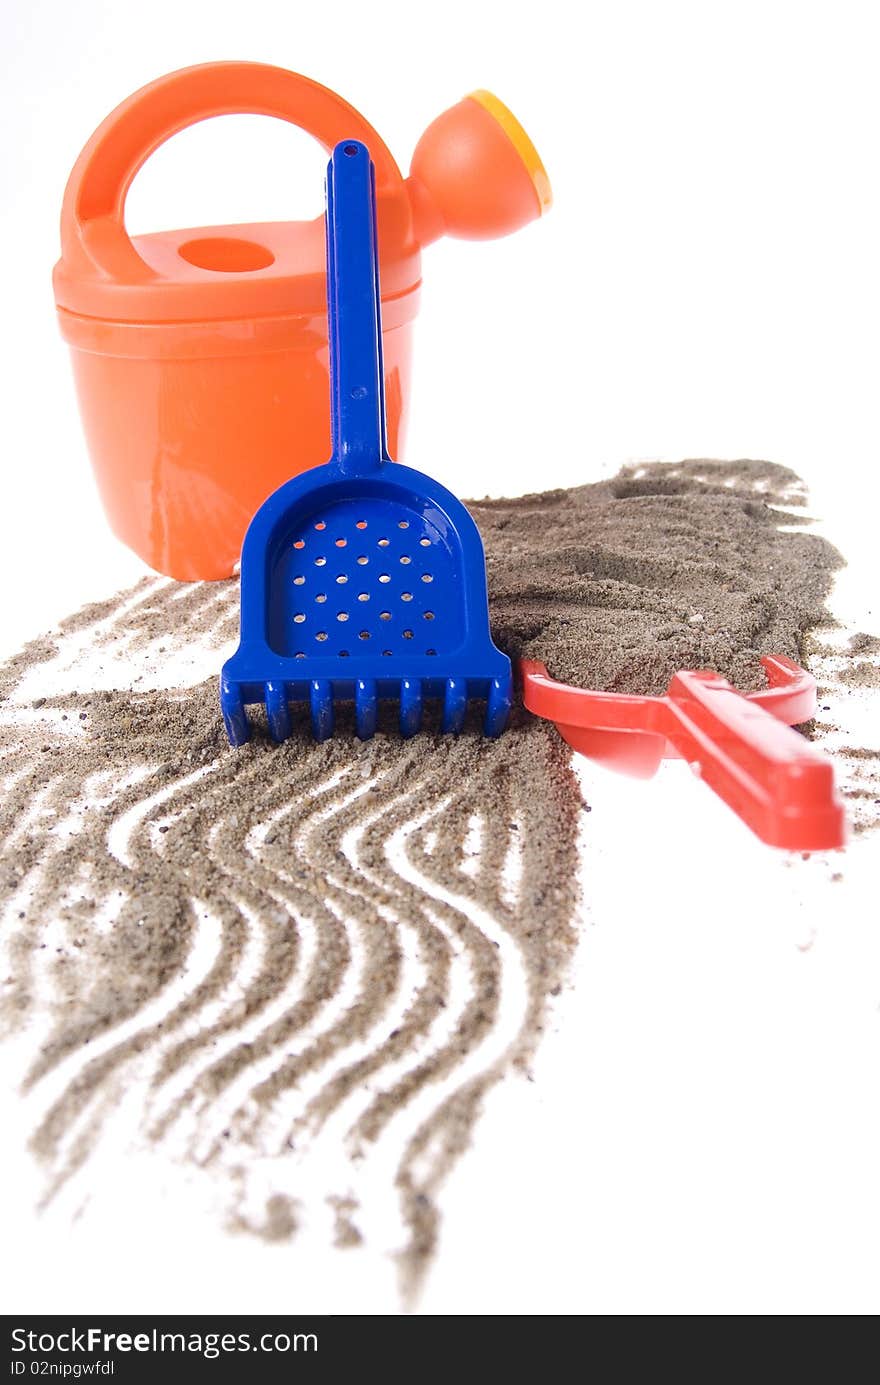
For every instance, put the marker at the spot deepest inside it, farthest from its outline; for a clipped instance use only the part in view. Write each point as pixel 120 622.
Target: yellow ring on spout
pixel 521 143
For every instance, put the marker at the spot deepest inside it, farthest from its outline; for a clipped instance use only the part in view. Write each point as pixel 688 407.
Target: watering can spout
pixel 476 174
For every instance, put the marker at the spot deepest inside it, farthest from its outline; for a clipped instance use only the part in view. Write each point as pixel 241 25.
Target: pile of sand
pixel 372 903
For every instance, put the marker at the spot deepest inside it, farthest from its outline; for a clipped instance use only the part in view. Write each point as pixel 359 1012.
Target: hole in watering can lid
pixel 226 254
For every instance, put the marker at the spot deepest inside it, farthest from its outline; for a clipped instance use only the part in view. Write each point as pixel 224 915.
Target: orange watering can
pixel 201 356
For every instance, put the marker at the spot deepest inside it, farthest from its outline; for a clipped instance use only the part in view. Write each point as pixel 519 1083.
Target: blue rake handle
pixel 357 376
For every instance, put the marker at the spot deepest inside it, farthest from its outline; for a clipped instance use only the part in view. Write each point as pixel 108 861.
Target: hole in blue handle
pixel 350 150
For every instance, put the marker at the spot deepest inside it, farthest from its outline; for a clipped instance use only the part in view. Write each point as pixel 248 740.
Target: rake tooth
pixel 366 704
pixel 234 716
pixel 410 706
pixel 497 706
pixel 454 705
pixel 321 704
pixel 277 710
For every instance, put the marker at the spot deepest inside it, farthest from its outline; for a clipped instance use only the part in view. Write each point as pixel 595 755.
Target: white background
pixel 703 1132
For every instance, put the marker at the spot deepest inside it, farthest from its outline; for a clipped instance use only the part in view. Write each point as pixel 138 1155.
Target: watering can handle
pixel 93 213
pixel 357 382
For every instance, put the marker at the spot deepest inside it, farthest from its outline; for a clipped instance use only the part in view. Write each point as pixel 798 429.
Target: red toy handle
pixel 769 775
pixel 738 743
pixel 93 213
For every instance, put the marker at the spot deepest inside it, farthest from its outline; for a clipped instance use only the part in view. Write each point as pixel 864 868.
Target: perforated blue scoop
pixel 361 579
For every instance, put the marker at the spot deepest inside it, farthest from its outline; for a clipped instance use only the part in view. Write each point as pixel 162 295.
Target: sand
pixel 619 585
pixel 369 900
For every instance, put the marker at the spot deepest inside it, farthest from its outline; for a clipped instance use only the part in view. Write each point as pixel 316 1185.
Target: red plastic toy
pixel 200 355
pixel 742 745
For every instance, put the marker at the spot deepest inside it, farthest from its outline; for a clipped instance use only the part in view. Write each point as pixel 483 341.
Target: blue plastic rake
pixel 361 579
